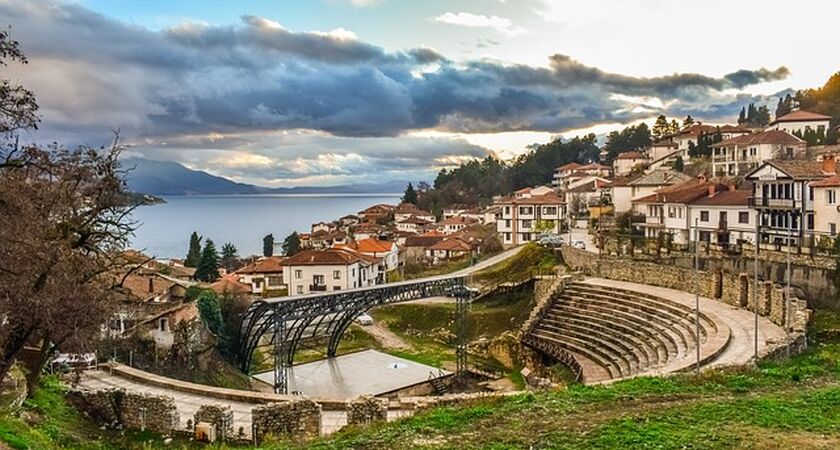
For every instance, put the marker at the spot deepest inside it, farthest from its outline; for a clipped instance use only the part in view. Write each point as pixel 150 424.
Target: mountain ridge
pixel 162 178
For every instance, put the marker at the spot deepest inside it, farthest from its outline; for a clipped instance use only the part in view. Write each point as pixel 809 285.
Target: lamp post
pixel 758 217
pixel 697 294
pixel 787 272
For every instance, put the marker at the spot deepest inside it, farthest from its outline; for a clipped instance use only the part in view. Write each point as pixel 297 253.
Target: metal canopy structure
pixel 282 323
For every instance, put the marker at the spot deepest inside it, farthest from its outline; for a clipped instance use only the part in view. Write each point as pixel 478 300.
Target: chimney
pixel 151 285
pixel 712 190
pixel 829 165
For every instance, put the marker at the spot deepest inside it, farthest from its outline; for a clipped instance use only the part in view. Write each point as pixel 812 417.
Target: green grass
pixel 532 257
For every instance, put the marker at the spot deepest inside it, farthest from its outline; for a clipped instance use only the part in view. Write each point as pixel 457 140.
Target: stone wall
pixel 298 419
pixel 220 416
pixel 715 283
pixel 423 403
pixel 117 408
pixel 367 409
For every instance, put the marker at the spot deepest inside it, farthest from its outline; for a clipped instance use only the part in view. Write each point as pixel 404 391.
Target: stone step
pixel 649 348
pixel 668 342
pixel 593 345
pixel 636 358
pixel 573 345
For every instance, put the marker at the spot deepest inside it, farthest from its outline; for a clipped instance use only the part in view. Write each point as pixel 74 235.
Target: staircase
pixel 616 333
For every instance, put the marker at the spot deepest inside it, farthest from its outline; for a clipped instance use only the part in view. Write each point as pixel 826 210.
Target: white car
pixel 579 244
pixel 364 320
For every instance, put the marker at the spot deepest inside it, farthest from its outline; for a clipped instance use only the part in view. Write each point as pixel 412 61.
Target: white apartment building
pixel 625 162
pixel 800 121
pixel 527 213
pixel 312 271
pixel 667 210
pixel 739 155
pixel 624 191
pixel 826 206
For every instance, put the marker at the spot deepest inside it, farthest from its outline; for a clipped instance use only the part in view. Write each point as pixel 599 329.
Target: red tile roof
pixel 833 181
pixel 422 241
pixel 726 198
pixel 329 257
pixel 372 245
pixel 630 155
pixel 568 167
pixel 271 264
pixel 451 244
pixel 547 199
pixel 801 116
pixel 226 285
pixel 781 137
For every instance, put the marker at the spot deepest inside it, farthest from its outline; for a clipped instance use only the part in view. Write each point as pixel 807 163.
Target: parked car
pixel 550 240
pixel 364 320
pixel 579 244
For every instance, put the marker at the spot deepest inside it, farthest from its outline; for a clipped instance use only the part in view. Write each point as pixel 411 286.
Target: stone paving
pixel 741 348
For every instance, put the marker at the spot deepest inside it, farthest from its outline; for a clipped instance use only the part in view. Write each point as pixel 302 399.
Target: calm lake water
pixel 241 219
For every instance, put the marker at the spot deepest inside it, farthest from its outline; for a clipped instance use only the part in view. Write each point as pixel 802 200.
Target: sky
pixel 326 92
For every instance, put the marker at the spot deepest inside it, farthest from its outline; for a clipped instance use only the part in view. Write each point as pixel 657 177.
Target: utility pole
pixel 697 294
pixel 758 216
pixel 787 273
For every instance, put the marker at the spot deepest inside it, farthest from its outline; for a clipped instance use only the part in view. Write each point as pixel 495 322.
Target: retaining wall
pixel 299 420
pixel 117 408
pixel 367 409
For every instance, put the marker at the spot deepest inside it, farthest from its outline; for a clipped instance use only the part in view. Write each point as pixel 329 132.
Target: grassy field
pixel 532 257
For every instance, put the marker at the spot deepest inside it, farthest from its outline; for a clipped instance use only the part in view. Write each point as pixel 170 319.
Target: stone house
pixel 263 275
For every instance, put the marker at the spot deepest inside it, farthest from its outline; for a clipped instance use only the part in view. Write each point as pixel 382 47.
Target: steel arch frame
pixel 286 321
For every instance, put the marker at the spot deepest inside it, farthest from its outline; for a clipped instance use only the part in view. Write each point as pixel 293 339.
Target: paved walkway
pixel 188 404
pixel 741 348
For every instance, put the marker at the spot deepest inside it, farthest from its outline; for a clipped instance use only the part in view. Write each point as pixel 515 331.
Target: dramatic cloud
pixel 198 87
pixel 466 19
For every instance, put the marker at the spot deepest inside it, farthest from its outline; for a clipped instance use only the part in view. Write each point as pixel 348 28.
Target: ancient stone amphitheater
pixel 614 333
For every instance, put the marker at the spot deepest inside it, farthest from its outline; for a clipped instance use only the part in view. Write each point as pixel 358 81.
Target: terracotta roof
pixel 226 285
pixel 271 264
pixel 591 186
pixel 594 166
pixel 798 168
pixel 833 181
pixel 659 178
pixel 801 116
pixel 143 287
pixel 329 257
pixel 433 232
pixel 567 167
pixel 685 192
pixel 726 198
pixel 630 155
pixel 547 199
pixel 458 220
pixel 665 144
pixel 372 245
pixel 765 137
pixel 414 220
pixel 734 129
pixel 422 241
pixel 451 244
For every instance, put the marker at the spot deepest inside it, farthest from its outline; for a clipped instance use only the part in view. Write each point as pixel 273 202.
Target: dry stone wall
pixel 732 289
pixel 117 408
pixel 367 409
pixel 299 420
pixel 220 416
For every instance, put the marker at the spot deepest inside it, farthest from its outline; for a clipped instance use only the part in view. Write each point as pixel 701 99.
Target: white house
pixel 826 204
pixel 412 224
pixel 666 210
pixel 624 191
pixel 328 270
pixel 800 121
pixel 263 275
pixel 529 212
pixel 625 162
pixel 723 218
pixel 455 224
pixel 386 251
pixel 784 199
pixel 739 155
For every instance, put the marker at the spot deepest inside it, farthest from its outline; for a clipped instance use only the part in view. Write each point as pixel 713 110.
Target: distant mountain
pixel 171 178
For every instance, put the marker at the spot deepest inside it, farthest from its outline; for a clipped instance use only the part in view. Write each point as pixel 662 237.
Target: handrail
pixel 556 352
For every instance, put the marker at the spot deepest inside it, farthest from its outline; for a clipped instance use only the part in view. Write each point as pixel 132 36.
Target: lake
pixel 165 229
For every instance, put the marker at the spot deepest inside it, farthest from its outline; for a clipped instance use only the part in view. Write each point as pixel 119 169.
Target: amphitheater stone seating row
pixel 617 333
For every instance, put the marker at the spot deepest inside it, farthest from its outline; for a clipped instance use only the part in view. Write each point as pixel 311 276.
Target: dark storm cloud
pixel 93 74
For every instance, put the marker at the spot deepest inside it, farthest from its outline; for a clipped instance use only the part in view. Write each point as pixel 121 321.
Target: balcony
pixel 774 203
pixel 317 287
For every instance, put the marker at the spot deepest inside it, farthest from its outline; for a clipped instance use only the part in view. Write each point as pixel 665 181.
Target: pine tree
pixel 210 312
pixel 208 266
pixel 675 127
pixel 194 253
pixel 660 128
pixel 268 245
pixel 688 121
pixel 230 255
pixel 291 245
pixel 410 195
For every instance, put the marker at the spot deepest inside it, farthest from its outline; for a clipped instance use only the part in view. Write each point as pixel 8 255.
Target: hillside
pixel 171 178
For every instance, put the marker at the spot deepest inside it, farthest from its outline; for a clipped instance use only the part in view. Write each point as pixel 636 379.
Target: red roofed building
pixel 312 271
pixel 569 173
pixel 528 213
pixel 263 275
pixel 386 251
pixel 724 218
pixel 625 162
pixel 739 155
pixel 449 248
pixel 800 121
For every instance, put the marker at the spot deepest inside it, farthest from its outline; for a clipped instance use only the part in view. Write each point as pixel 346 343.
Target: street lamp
pixel 696 293
pixel 758 217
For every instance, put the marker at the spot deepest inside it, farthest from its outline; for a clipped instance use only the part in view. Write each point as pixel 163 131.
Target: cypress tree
pixel 194 253
pixel 208 265
pixel 410 195
pixel 268 245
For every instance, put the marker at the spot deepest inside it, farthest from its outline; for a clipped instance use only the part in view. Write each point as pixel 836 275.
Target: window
pixel 298 273
pixel 507 223
pixel 300 290
pixel 526 210
pixel 526 224
pixel 336 274
pixel 550 210
pixel 810 193
pixel 753 151
pixel 318 280
pixel 832 229
pixel 258 282
pixel 831 196
pixel 163 324
pixel 671 212
pixel 743 217
pixel 722 218
pixel 810 221
pixel 704 216
pixel 507 237
pixel 275 281
pixel 507 210
pixel 336 288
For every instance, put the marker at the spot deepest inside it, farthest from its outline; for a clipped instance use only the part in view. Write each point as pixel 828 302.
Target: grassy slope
pixel 520 266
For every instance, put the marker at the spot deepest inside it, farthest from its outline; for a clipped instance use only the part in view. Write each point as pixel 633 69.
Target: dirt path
pixel 386 337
